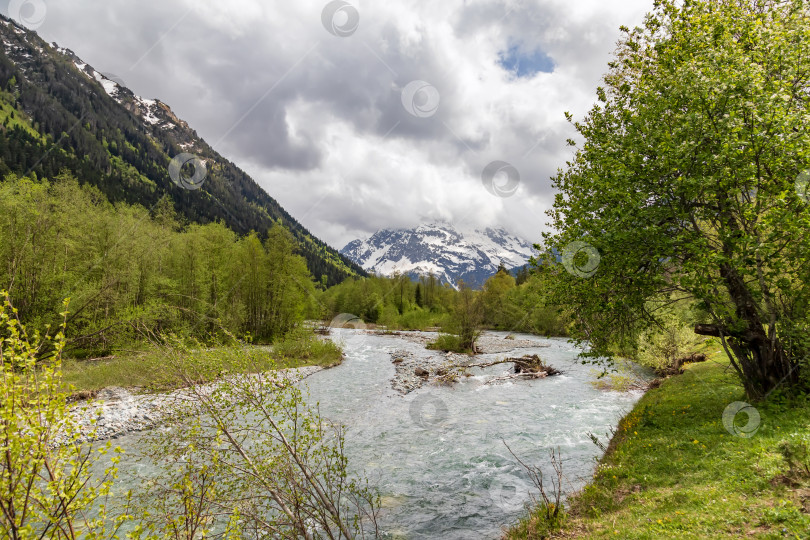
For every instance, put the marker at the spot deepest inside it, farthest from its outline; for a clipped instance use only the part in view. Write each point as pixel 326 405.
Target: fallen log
pixel 526 366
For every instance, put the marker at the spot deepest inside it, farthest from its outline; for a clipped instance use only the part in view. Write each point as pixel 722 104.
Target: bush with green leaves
pixel 447 343
pixel 662 345
pixel 47 486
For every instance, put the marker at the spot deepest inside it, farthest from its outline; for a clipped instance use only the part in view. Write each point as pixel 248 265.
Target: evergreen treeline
pixel 128 271
pixel 55 118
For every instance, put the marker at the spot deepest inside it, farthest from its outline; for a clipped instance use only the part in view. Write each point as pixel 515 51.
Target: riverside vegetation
pixel 685 210
pixel 157 304
pixel 221 474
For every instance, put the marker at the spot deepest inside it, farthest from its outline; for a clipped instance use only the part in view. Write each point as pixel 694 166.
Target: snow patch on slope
pixel 111 87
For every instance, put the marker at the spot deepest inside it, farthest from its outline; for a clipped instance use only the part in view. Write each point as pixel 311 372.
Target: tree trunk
pixel 761 362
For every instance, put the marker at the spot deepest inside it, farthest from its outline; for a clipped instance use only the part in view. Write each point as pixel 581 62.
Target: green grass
pixel 156 369
pixel 673 471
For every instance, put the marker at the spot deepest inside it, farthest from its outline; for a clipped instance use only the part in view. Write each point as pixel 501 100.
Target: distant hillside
pixel 58 113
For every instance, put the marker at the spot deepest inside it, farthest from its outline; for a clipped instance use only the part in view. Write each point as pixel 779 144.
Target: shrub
pixel 303 344
pixel 448 343
pixel 47 489
pixel 661 347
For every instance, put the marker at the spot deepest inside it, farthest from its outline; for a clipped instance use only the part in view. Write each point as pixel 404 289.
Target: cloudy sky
pixel 364 115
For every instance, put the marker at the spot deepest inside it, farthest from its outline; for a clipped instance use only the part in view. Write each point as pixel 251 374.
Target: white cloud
pixel 324 130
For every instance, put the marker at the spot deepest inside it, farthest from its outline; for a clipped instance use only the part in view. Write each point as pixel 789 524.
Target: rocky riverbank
pixel 116 411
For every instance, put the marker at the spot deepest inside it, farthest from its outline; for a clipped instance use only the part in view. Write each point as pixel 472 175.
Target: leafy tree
pixel 290 288
pixel 498 313
pixel 532 309
pixel 467 317
pixel 686 182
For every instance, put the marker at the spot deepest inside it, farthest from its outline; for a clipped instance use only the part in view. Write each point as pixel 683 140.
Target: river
pixel 437 455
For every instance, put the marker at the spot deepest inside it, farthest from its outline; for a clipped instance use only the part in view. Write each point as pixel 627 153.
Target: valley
pixel 573 297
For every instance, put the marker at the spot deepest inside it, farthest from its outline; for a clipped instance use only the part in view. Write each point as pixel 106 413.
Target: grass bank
pixel 153 369
pixel 673 470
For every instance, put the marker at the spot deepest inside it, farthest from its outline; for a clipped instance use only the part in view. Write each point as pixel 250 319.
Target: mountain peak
pixel 450 252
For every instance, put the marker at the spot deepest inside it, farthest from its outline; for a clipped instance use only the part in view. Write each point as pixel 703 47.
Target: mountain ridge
pixel 58 113
pixel 470 254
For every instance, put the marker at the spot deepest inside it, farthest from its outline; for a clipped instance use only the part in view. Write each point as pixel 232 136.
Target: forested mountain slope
pixel 58 113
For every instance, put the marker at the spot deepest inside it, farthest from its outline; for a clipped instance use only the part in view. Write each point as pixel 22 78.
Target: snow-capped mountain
pixel 449 253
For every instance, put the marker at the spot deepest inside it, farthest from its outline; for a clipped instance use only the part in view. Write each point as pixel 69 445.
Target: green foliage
pixel 303 346
pixel 541 522
pixel 48 487
pixel 659 347
pixel 683 187
pixel 130 273
pixel 146 369
pixel 498 311
pixel 419 319
pixel 448 343
pixel 389 317
pixel 10 120
pixel 529 307
pixel 391 302
pixel 466 318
